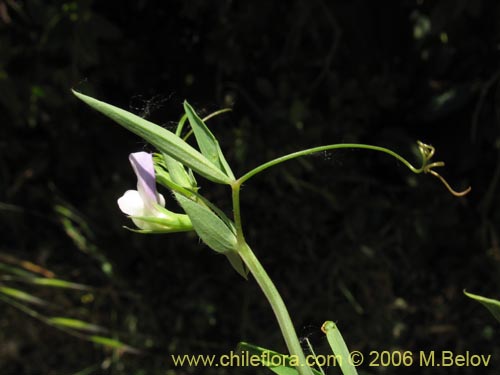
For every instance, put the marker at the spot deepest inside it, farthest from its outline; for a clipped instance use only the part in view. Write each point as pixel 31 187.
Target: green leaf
pixel 276 362
pixel 492 305
pixel 75 324
pixel 178 173
pixel 211 229
pixel 164 179
pixel 339 348
pixel 164 140
pixel 209 146
pixel 237 263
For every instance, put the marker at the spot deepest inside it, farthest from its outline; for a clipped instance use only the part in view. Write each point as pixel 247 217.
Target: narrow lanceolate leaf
pixel 492 305
pixel 76 324
pixel 178 173
pixel 339 348
pixel 207 142
pixel 211 229
pixel 21 295
pixel 164 140
pixel 276 362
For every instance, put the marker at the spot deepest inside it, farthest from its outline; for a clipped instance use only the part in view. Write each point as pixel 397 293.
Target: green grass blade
pixel 339 348
pixel 164 140
pixel 58 283
pixel 69 326
pixel 7 268
pixel 42 281
pixel 79 231
pixel 76 324
pixel 91 370
pixel 492 305
pixel 113 343
pixel 26 265
pixel 21 295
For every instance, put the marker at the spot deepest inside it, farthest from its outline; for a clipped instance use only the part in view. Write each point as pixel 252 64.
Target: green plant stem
pixel 268 288
pixel 278 306
pixel 256 268
pixel 236 186
pixel 313 150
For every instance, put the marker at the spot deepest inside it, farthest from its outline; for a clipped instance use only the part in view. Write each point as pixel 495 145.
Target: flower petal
pixel 142 162
pixel 131 203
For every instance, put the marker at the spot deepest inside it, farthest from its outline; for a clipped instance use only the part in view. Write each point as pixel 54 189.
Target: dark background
pixel 350 236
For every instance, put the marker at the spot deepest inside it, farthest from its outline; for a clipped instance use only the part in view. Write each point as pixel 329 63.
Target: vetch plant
pixel 175 166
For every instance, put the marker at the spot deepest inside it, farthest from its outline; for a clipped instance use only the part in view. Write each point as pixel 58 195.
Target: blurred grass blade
pixel 164 140
pixel 74 228
pixel 68 325
pixel 92 370
pixel 78 230
pixel 76 324
pixel 339 348
pixel 21 295
pixel 53 283
pixel 15 271
pixel 58 283
pixel 209 146
pixel 31 267
pixel 492 305
pixel 266 356
pixel 64 209
pixel 113 343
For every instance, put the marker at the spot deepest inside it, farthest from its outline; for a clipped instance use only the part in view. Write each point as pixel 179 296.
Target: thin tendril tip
pixel 452 191
pixel 427 152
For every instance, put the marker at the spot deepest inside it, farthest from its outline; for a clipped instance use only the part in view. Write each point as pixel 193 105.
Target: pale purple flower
pixel 147 202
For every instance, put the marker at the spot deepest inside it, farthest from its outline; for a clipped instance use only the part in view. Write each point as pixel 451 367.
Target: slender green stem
pixel 268 287
pixel 256 268
pixel 278 306
pixel 309 151
pixel 180 126
pixel 237 211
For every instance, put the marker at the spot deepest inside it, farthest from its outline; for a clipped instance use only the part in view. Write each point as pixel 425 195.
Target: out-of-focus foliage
pixel 387 254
